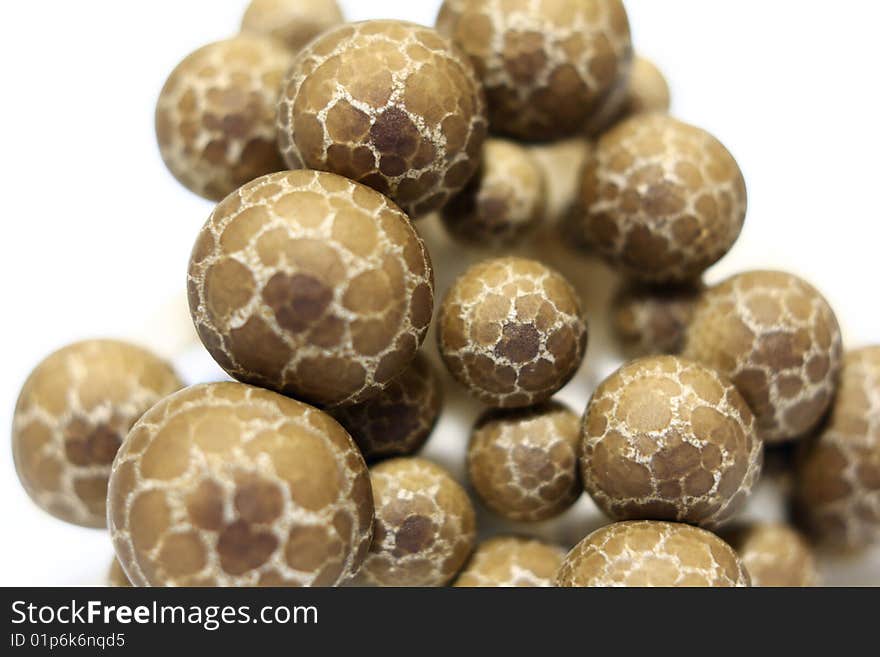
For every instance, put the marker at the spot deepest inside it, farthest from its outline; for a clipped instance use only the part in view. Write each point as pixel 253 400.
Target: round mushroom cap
pixel 311 285
pixel 545 66
pixel 775 555
pixel 523 463
pixel 648 553
pixel 661 200
pixel 837 486
pixel 294 22
pixel 645 90
pixel 72 414
pixel 775 336
pixel 399 420
pixel 665 438
pixel 425 525
pixel 225 484
pixel 512 332
pixel 511 561
pixel 648 89
pixel 215 117
pixel 390 104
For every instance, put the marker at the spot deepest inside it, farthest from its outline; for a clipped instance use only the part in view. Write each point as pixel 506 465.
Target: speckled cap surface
pixel 311 285
pixel 72 414
pixel 390 104
pixel 398 420
pixel 425 525
pixel 775 336
pixel 224 484
pixel 661 200
pixel 546 65
pixel 665 438
pixel 523 463
pixel 511 561
pixel 649 553
pixel 215 117
pixel 512 332
pixel 838 472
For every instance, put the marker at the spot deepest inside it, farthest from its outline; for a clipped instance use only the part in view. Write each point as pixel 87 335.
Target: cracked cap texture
pixel 838 473
pixel 648 553
pixel 774 555
pixel 661 200
pixel 398 420
pixel 510 561
pixel 546 64
pixel 215 118
pixel 389 104
pixel 779 342
pixel 524 463
pixel 511 331
pixel 294 22
pixel 425 525
pixel 503 202
pixel 225 484
pixel 669 439
pixel 311 285
pixel 72 414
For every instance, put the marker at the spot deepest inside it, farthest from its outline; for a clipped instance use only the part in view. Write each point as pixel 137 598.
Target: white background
pixel 97 233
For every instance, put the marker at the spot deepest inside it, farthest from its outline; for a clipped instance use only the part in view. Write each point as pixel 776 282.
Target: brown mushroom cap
pixel 425 525
pixel 661 200
pixel 651 553
pixel 545 66
pixel 390 104
pixel 648 89
pixel 294 22
pixel 778 340
pixel 774 555
pixel 224 484
pixel 398 420
pixel 311 285
pixel 838 473
pixel 215 117
pixel 643 92
pixel 669 439
pixel 72 414
pixel 510 561
pixel 512 332
pixel 523 463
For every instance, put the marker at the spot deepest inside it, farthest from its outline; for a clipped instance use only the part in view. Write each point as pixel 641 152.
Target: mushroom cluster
pixel 340 157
